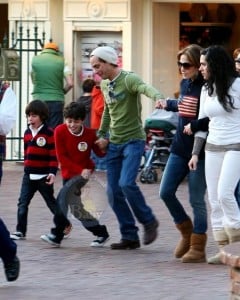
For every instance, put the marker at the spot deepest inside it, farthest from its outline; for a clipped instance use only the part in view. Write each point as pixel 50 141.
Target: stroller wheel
pixel 152 176
pixel 143 178
pixel 148 176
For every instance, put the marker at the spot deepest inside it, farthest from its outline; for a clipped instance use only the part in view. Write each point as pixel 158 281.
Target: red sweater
pixel 74 152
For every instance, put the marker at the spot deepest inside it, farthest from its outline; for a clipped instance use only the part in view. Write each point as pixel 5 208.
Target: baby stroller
pixel 160 128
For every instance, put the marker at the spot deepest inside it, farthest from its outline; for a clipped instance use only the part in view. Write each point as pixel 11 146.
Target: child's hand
pixel 50 179
pixel 102 144
pixel 86 173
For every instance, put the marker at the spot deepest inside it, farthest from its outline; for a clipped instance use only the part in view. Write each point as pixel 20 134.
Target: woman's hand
pixel 193 162
pixel 161 103
pixel 187 129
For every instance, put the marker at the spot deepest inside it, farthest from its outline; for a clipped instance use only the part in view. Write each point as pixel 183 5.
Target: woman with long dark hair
pixel 220 102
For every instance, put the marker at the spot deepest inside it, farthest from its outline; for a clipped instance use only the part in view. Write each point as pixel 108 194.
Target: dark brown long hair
pixel 222 73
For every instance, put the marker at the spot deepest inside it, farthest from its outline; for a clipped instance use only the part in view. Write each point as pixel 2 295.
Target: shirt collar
pixel 35 131
pixel 78 134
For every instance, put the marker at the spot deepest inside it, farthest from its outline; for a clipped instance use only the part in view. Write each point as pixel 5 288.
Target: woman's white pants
pixel 222 175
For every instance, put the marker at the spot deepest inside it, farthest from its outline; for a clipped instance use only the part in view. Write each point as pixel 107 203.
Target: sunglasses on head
pixel 184 65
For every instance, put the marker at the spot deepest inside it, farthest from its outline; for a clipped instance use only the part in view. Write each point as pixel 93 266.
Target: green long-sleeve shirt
pixel 122 112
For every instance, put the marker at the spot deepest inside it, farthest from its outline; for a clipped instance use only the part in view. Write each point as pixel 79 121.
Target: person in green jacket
pixel 122 120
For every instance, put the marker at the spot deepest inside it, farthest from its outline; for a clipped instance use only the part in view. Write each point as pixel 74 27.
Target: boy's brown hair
pixel 39 108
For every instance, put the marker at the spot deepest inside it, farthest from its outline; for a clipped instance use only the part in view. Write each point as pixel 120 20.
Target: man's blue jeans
pixel 174 173
pixel 124 195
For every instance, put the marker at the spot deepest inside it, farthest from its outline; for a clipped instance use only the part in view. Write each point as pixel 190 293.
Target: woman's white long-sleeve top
pixel 224 127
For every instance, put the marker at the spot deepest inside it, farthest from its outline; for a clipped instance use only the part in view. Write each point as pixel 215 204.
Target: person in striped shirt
pixel 40 165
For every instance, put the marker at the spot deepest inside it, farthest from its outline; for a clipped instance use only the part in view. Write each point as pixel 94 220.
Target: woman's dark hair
pixel 222 73
pixel 39 108
pixel 75 110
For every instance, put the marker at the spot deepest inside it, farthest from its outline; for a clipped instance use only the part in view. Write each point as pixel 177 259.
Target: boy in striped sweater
pixel 40 164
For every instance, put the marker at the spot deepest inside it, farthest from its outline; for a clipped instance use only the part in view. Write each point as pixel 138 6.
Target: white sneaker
pixel 50 239
pixel 100 241
pixel 17 236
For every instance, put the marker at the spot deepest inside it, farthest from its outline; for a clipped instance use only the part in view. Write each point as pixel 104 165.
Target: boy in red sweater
pixel 40 165
pixel 74 143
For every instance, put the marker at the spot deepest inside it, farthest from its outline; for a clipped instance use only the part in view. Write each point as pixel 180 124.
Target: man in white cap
pixel 122 119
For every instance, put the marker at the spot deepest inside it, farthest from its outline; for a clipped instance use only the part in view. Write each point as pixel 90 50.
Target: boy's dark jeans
pixel 28 189
pixel 70 196
pixel 62 222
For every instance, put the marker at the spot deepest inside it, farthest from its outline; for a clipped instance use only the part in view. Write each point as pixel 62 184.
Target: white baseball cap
pixel 106 53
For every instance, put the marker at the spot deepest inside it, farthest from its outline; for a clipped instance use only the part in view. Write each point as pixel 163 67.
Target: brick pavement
pixel 77 271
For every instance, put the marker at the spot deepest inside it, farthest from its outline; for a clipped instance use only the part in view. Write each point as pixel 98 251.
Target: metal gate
pixel 27 43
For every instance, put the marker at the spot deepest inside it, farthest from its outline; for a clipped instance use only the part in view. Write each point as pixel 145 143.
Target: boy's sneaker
pixel 100 241
pixel 67 231
pixel 50 239
pixel 12 269
pixel 17 236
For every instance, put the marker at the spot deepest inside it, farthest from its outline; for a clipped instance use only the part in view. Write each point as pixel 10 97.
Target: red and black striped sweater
pixel 39 152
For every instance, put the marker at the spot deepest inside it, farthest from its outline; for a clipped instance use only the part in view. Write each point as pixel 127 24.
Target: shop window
pixel 198 25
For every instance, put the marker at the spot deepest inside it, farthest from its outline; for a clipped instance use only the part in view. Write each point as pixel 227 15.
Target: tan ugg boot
pixel 221 237
pixel 233 234
pixel 196 253
pixel 183 245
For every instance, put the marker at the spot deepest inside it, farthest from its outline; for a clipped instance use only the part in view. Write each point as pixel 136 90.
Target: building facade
pixel 145 33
